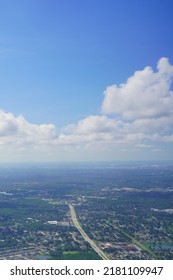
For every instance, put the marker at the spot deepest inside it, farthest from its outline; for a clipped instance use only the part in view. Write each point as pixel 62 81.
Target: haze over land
pixel 86 80
pixel 86 211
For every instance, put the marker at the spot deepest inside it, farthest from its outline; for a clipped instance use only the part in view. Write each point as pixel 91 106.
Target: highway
pixel 85 236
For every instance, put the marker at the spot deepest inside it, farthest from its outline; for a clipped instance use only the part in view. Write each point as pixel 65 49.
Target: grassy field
pixel 75 255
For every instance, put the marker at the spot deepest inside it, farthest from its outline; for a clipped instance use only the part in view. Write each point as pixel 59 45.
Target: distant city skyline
pixel 86 80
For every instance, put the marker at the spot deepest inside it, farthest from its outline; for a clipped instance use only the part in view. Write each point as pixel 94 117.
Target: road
pixel 85 236
pixel 137 243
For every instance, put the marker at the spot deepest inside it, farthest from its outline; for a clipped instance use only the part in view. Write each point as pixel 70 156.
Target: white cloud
pixel 19 131
pixel 147 94
pixel 92 124
pixel 141 110
pixel 141 117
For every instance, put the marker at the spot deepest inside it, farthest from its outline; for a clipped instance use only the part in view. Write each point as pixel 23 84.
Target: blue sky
pixel 58 62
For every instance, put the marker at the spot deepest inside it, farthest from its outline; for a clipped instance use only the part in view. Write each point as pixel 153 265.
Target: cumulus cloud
pixel 141 110
pixel 136 114
pixel 147 94
pixel 92 124
pixel 100 130
pixel 18 130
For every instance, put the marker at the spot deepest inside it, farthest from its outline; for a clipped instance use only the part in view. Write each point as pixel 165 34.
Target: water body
pixel 43 257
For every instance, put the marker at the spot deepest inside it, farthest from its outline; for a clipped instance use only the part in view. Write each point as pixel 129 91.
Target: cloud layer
pixel 140 110
pixel 136 114
pixel 147 94
pixel 18 131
